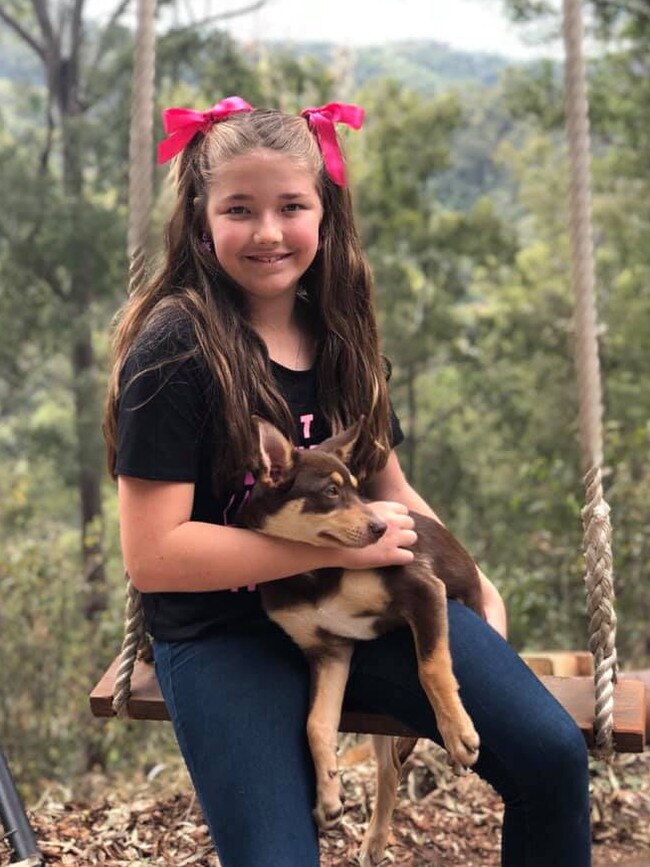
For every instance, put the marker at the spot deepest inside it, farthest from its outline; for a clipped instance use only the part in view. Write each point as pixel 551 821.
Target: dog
pixel 311 496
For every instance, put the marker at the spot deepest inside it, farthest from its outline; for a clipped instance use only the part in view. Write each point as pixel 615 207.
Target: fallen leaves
pixel 440 819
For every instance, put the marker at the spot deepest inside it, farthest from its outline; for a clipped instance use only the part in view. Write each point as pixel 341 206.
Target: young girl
pixel 263 305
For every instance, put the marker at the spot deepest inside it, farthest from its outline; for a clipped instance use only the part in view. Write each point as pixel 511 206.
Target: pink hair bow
pixel 182 124
pixel 322 121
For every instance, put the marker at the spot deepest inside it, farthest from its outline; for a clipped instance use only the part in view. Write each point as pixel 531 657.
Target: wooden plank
pixel 540 665
pixel 644 677
pixel 576 694
pixel 564 663
pixel 374 724
pixel 145 702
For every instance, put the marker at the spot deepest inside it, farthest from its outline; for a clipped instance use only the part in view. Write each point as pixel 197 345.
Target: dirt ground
pixel 440 820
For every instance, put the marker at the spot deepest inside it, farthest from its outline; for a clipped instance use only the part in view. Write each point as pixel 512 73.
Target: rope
pixel 595 515
pixel 140 196
pixel 141 140
pixel 134 636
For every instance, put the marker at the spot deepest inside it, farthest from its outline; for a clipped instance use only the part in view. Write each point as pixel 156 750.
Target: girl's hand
pixel 393 547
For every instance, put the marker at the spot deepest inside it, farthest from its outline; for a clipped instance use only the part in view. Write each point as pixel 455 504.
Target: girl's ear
pixel 342 445
pixel 276 452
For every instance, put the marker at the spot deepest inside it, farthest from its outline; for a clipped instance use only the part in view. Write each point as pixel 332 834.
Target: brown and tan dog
pixel 311 496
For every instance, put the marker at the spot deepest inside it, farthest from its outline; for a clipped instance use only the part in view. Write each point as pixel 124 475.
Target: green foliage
pixel 536 91
pixel 51 655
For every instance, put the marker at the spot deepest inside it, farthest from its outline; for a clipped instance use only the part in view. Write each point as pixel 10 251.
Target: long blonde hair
pixel 190 285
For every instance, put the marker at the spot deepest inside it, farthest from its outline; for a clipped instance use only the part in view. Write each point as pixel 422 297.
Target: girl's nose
pixel 267 232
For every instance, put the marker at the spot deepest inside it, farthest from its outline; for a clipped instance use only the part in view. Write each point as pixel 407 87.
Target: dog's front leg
pixel 329 675
pixel 427 618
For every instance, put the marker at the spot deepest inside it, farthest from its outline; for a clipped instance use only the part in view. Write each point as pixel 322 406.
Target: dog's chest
pixel 356 610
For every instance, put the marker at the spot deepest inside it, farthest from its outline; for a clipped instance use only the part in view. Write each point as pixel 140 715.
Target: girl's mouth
pixel 269 259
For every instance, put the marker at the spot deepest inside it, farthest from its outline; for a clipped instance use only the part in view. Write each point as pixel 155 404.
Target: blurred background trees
pixel 460 182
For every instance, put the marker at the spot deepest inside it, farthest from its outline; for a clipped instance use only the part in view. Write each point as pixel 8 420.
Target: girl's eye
pixel 236 211
pixel 331 491
pixel 293 207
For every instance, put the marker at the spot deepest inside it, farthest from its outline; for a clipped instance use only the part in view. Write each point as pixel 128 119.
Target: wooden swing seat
pixel 576 694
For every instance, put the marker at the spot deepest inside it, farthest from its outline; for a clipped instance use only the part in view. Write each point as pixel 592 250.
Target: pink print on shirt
pixel 306 421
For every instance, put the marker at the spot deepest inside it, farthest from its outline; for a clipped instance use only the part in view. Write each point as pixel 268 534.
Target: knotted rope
pixel 140 196
pixel 595 514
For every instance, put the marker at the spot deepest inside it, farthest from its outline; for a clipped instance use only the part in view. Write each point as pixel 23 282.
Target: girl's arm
pixel 164 550
pixel 391 484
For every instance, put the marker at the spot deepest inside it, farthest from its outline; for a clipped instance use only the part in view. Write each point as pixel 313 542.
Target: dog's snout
pixel 377 528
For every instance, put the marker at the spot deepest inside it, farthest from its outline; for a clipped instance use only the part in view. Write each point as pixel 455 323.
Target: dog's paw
pixel 461 742
pixel 328 813
pixel 373 853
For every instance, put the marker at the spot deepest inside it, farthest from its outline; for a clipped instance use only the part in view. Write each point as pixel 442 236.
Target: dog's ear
pixel 276 453
pixel 342 445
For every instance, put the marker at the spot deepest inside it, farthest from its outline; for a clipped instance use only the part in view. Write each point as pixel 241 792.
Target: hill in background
pixel 425 65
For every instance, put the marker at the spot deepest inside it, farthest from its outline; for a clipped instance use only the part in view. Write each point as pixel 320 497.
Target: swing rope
pixel 595 514
pixel 140 197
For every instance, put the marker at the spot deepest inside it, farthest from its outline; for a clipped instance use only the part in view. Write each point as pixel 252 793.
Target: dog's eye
pixel 332 491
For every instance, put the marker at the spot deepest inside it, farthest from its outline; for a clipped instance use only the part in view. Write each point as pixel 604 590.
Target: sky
pixel 478 25
pixel 472 25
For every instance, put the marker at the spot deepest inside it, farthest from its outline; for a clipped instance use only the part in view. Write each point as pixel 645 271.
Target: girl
pixel 263 305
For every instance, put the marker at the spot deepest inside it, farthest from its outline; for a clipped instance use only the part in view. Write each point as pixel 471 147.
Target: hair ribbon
pixel 322 121
pixel 182 124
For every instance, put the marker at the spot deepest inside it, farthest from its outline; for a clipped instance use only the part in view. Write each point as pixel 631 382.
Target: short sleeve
pixel 163 408
pixel 396 434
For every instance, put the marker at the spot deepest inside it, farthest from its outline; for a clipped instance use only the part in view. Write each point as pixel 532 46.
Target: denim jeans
pixel 239 702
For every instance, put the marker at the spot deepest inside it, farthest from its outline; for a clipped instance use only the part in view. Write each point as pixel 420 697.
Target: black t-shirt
pixel 165 432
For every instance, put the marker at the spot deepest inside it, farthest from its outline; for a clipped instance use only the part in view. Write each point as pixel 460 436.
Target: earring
pixel 206 241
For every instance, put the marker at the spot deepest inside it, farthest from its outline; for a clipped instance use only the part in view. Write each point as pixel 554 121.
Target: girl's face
pixel 264 213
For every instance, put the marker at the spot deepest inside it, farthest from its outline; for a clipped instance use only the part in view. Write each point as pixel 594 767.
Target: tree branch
pixel 75 41
pixel 45 155
pixel 43 18
pixel 24 251
pixel 233 13
pixel 27 38
pixel 103 39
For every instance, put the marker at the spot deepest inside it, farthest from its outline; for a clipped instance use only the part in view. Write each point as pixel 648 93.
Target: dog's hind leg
pixel 391 754
pixel 329 675
pixel 426 614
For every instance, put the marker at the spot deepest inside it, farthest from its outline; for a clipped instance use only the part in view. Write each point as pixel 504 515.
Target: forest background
pixel 460 181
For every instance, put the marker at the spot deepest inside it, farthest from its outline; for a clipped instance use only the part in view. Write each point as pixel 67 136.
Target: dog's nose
pixel 377 528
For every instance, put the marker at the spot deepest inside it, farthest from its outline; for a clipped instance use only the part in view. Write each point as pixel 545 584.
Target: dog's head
pixel 310 495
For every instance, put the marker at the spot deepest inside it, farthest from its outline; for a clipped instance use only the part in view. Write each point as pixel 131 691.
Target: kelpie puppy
pixel 311 496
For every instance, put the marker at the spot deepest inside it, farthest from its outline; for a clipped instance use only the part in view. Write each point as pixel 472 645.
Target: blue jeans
pixel 239 702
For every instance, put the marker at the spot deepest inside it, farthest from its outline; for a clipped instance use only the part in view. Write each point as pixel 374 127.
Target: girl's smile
pixel 264 215
pixel 268 260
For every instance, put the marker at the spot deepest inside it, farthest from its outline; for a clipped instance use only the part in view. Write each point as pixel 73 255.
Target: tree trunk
pixel 63 75
pixel 89 455
pixel 63 79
